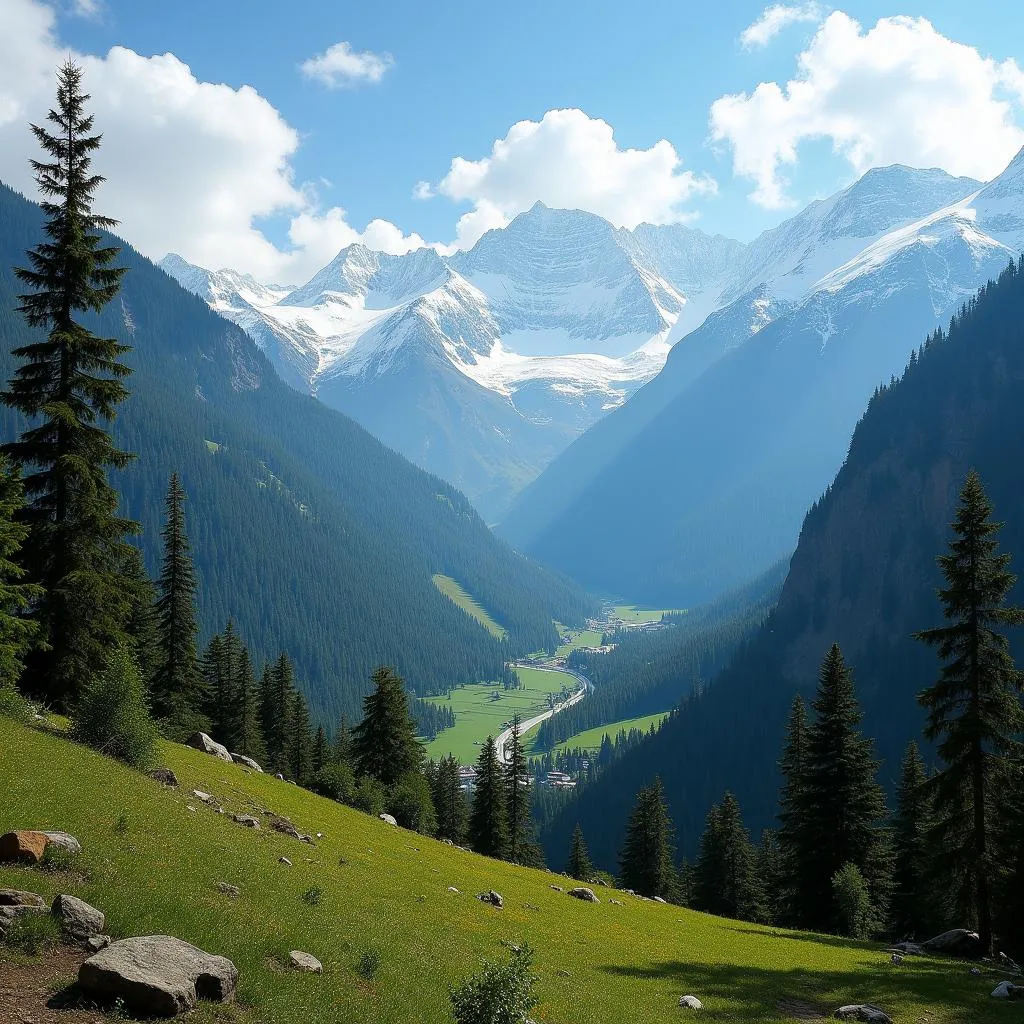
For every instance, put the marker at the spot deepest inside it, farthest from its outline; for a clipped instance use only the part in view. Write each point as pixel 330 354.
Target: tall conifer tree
pixel 342 746
pixel 579 867
pixel 69 385
pixel 517 799
pixel 300 750
pixel 726 873
pixel 488 821
pixel 646 861
pixel 246 713
pixel 18 634
pixel 276 702
pixel 450 802
pixel 384 743
pixel 791 838
pixel 319 756
pixel 974 709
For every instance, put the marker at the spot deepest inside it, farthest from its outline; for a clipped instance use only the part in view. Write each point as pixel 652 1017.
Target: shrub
pixel 370 795
pixel 499 993
pixel 853 902
pixel 313 896
pixel 13 705
pixel 369 964
pixel 113 716
pixel 336 782
pixel 412 805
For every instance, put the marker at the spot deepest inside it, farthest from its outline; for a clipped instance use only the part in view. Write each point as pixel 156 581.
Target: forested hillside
pixel 864 574
pixel 310 534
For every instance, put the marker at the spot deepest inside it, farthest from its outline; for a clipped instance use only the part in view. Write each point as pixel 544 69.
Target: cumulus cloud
pixel 340 65
pixel 775 18
pixel 568 159
pixel 898 93
pixel 193 166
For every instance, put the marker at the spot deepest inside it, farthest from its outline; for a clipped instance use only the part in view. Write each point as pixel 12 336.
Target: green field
pixel 582 638
pixel 591 739
pixel 477 716
pixel 635 614
pixel 454 592
pixel 151 865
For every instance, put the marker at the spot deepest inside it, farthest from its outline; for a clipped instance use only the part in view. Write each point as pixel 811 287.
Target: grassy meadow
pixel 151 864
pixel 453 590
pixel 635 614
pixel 591 738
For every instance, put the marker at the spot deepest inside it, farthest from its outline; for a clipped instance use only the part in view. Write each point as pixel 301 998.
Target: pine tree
pixel 645 864
pixel 141 623
pixel 726 880
pixel 790 837
pixel 488 823
pixel 450 802
pixel 768 874
pixel 517 799
pixel 300 747
pixel 342 746
pixel 246 711
pixel 276 690
pixel 384 743
pixel 579 867
pixel 840 805
pixel 220 670
pixel 974 710
pixel 18 634
pixel 177 688
pixel 915 910
pixel 319 756
pixel 67 382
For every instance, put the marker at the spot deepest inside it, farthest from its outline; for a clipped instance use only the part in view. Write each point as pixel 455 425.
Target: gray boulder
pixel 389 819
pixel 165 776
pixel 285 827
pixel 97 942
pixel 77 919
pixel 492 897
pixel 19 898
pixel 908 948
pixel 690 1003
pixel 208 745
pixel 1007 990
pixel 157 975
pixel 247 761
pixel 581 892
pixel 865 1012
pixel 958 942
pixel 63 841
pixel 305 962
pixel 246 819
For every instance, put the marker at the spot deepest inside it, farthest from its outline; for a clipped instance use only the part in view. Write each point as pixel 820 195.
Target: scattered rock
pixel 279 777
pixel 247 761
pixel 581 892
pixel 246 819
pixel 958 942
pixel 389 818
pixel 97 942
pixel 208 745
pixel 228 890
pixel 492 897
pixel 157 975
pixel 203 797
pixel 305 962
pixel 1007 990
pixel 1007 962
pixel 285 827
pixel 562 973
pixel 617 903
pixel 451 888
pixel 976 971
pixel 598 881
pixel 531 906
pixel 19 898
pixel 62 841
pixel 658 899
pixel 164 776
pixel 863 1011
pixel 557 888
pixel 319 835
pixel 77 919
pixel 23 846
pixel 284 860
pixel 691 1003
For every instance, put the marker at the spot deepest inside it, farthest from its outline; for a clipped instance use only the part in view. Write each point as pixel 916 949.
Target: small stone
pixel 285 827
pixel 246 819
pixel 165 777
pixel 229 890
pixel 279 777
pixel 557 888
pixel 78 920
pixel 208 745
pixel 451 888
pixel 23 847
pixel 690 1003
pixel 617 903
pixel 896 958
pixel 581 892
pixel 658 899
pixel 247 761
pixel 976 971
pixel 864 1012
pixel 284 860
pixel 492 897
pixel 305 962
pixel 389 819
pixel 203 797
pixel 189 807
pixel 97 942
pixel 19 898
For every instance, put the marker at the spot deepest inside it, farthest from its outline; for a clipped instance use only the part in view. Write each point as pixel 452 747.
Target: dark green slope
pixel 313 535
pixel 864 574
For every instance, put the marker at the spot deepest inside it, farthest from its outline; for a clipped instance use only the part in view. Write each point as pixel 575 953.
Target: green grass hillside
pixel 151 864
pixel 454 591
pixel 591 738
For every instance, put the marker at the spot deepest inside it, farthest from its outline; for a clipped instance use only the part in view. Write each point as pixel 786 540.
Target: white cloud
pixel 775 18
pixel 898 93
pixel 568 159
pixel 193 166
pixel 422 190
pixel 340 65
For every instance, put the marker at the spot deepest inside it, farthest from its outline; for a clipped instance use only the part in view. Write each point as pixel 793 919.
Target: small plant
pixel 313 896
pixel 121 824
pixel 499 993
pixel 31 933
pixel 369 964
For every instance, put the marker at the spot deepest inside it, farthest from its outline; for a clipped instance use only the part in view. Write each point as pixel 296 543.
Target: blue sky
pixel 457 76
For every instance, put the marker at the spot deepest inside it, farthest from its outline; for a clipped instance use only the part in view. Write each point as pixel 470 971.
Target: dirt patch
pixel 801 1009
pixel 28 987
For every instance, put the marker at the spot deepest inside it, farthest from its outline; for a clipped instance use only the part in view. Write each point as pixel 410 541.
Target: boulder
pixel 492 897
pixel 908 948
pixel 285 827
pixel 1007 990
pixel 229 890
pixel 8 915
pixel 164 776
pixel 659 899
pixel 557 888
pixel 62 841
pixel 958 942
pixel 23 846
pixel 208 745
pixel 246 819
pixel 581 892
pixel 690 1003
pixel 247 761
pixel 97 942
pixel 204 797
pixel 19 898
pixel 305 962
pixel 279 777
pixel 389 818
pixel 863 1011
pixel 77 919
pixel 157 975
pixel 284 860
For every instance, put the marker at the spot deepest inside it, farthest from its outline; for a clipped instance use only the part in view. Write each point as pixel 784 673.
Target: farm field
pixel 453 590
pixel 634 614
pixel 382 896
pixel 591 739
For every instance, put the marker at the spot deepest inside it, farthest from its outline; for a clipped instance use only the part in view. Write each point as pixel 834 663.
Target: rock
pixel 691 1003
pixel 97 942
pixel 246 819
pixel 247 761
pixel 658 899
pixel 285 827
pixel 77 919
pixel 208 745
pixel 164 776
pixel 617 903
pixel 204 797
pixel 23 846
pixel 1007 990
pixel 157 975
pixel 284 860
pixel 557 888
pixel 451 888
pixel 598 881
pixel 957 942
pixel 492 897
pixel 305 962
pixel 976 971
pixel 279 777
pixel 389 818
pixel 581 892
pixel 229 890
pixel 63 841
pixel 908 948
pixel 8 915
pixel 19 898
pixel 896 958
pixel 863 1011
